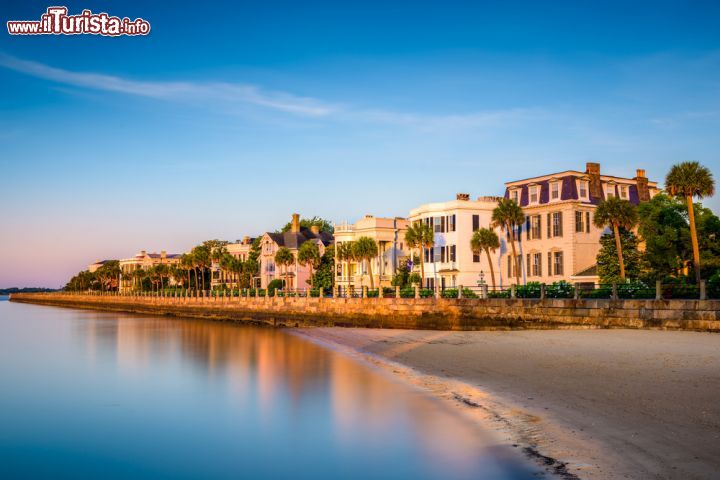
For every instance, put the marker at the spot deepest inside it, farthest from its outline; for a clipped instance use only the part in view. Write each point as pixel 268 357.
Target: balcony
pixel 446 266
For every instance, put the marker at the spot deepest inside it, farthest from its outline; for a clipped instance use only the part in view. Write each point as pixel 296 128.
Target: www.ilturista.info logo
pixel 56 21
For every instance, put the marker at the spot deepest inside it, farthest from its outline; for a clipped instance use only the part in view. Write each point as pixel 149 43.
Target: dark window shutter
pixel 550 264
pixel 549 225
pixel 560 222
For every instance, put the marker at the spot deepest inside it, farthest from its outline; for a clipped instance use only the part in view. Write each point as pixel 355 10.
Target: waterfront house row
pixel 557 241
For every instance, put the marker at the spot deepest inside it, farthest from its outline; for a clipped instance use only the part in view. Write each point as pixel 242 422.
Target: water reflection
pixel 147 396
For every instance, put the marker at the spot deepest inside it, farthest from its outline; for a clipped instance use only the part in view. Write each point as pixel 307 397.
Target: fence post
pixel 460 291
pixel 576 292
pixel 364 292
pixel 417 291
pixel 614 295
pixel 437 291
pixel 381 293
pixel 513 291
pixel 397 291
pixel 267 293
pixel 484 291
pixel 703 290
pixel 542 291
pixel 658 289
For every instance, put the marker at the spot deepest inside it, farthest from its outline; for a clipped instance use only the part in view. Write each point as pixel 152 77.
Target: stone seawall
pixel 410 313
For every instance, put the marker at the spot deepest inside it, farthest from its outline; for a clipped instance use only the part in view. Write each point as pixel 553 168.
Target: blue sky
pixel 222 122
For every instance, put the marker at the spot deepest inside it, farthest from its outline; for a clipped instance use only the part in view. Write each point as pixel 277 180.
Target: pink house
pixel 298 276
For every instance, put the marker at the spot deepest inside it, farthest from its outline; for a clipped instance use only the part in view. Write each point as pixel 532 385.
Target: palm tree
pixel 617 213
pixel 366 249
pixel 486 240
pixel 687 180
pixel 284 257
pixel 309 255
pixel 507 215
pixel 162 271
pixel 139 275
pixel 201 255
pixel 217 253
pixel 177 272
pixel 420 235
pixel 235 266
pixel 187 263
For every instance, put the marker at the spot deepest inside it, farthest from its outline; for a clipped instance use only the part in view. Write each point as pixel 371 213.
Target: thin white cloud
pixel 225 92
pixel 228 94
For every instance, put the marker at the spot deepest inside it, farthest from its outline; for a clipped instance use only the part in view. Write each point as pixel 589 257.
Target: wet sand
pixel 597 404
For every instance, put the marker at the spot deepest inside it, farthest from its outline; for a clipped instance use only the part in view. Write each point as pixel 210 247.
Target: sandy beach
pixel 596 404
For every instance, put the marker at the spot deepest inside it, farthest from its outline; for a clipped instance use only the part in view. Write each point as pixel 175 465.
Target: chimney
pixel 295 226
pixel 143 253
pixel 642 185
pixel 246 240
pixel 315 229
pixel 463 196
pixel 593 171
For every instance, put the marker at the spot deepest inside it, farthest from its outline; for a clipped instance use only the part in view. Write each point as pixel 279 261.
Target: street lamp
pixel 481 282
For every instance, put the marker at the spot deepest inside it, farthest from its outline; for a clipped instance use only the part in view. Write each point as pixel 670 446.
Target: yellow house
pixel 143 260
pixel 389 234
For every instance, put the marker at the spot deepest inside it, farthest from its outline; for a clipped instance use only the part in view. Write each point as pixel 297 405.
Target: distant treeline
pixel 8 291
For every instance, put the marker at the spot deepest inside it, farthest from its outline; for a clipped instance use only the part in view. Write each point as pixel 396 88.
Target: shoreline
pixel 566 430
pixel 440 314
pixel 485 410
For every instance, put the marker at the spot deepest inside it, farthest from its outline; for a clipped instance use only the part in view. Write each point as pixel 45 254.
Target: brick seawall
pixel 410 313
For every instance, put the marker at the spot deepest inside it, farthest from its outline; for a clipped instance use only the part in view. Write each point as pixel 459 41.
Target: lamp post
pixel 483 286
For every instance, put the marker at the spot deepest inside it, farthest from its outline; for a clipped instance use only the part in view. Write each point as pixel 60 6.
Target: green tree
pixel 608 260
pixel 663 227
pixel 325 274
pixel 688 180
pixel 324 225
pixel 187 264
pixel 309 255
pixel 402 276
pixel 507 215
pixel 284 258
pixel 616 213
pixel 366 249
pixel 486 240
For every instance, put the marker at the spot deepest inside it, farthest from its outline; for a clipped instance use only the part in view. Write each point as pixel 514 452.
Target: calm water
pixel 87 394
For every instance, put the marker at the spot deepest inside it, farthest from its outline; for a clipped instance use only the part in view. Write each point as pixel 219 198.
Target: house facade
pixel 93 267
pixel 298 276
pixel 558 240
pixel 240 250
pixel 143 260
pixel 388 234
pixel 451 262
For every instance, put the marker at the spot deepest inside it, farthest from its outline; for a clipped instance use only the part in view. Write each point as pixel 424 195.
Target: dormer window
pixel 583 189
pixel 554 190
pixel 623 192
pixel 609 190
pixel 515 196
pixel 534 193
